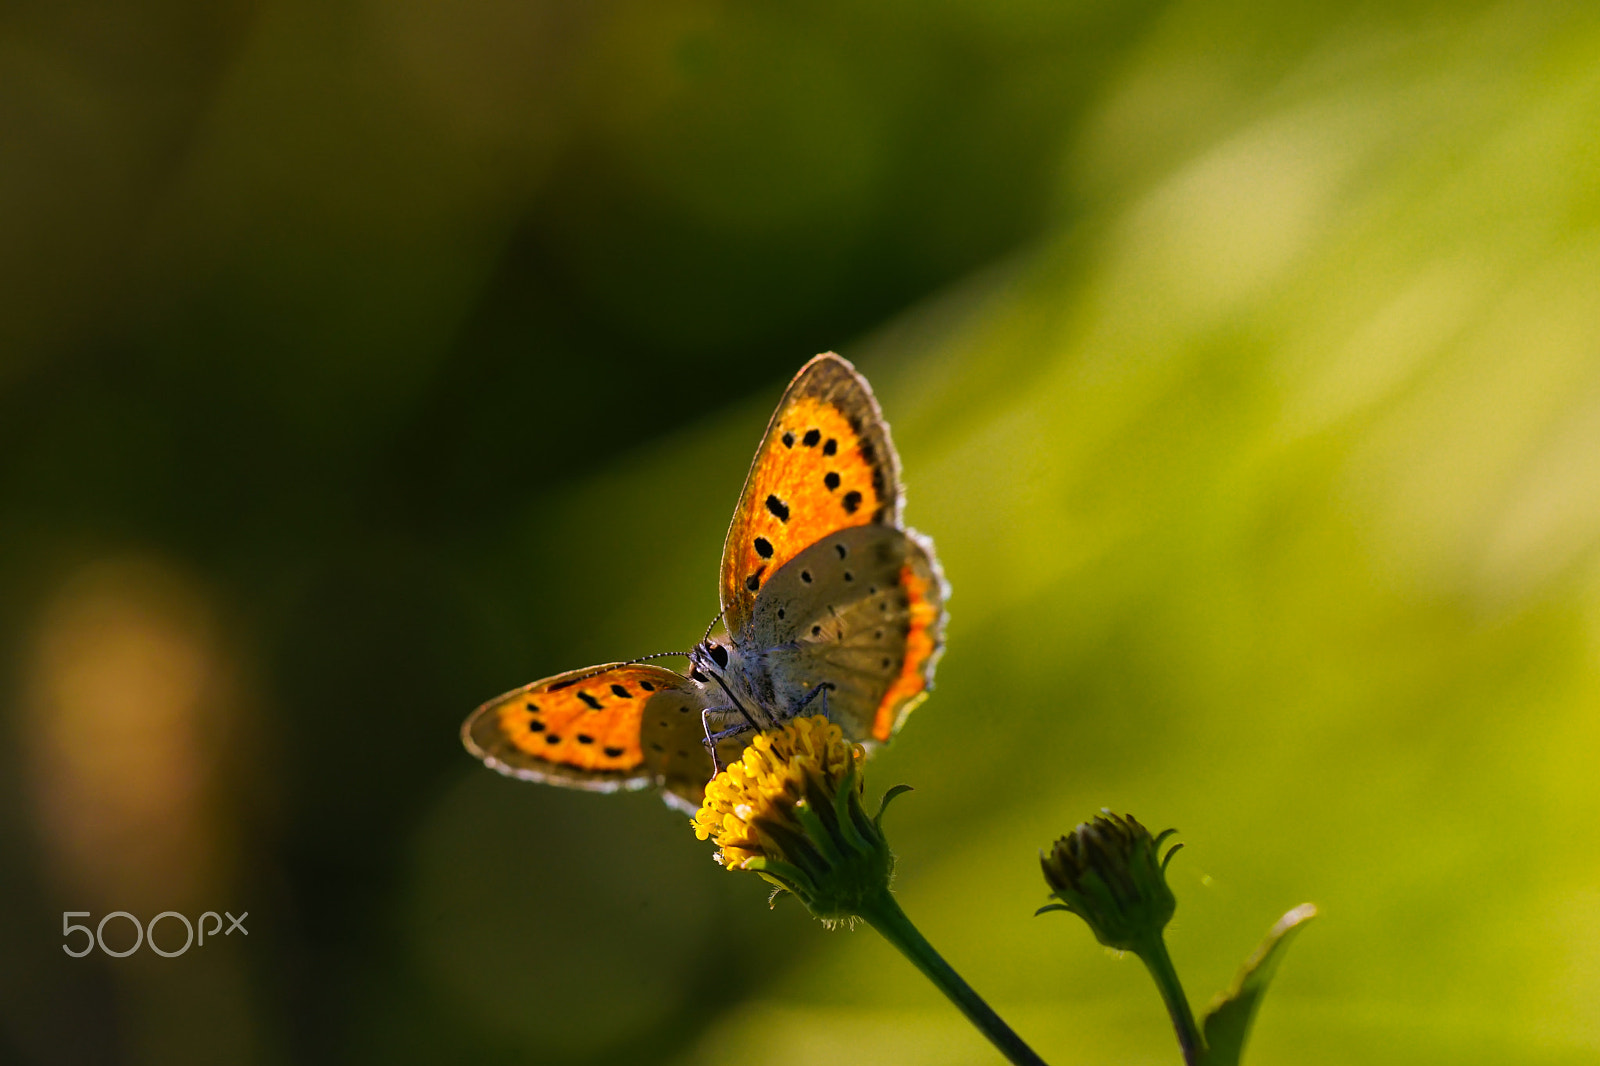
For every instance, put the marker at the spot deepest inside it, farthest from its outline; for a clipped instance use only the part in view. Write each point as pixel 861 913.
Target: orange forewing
pixel 581 728
pixel 825 464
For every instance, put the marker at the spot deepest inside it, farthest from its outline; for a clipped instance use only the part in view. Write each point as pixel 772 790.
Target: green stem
pixel 885 915
pixel 1159 963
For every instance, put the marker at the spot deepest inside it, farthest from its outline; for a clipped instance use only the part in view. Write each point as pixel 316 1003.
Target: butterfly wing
pixel 825 464
pixel 862 610
pixel 619 726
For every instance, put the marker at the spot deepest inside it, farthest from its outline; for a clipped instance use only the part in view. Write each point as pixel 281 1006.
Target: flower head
pixel 791 810
pixel 1109 872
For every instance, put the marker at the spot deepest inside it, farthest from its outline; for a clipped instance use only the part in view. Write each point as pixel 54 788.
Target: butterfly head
pixel 708 660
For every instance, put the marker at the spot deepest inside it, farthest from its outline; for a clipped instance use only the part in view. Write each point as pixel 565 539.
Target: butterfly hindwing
pixel 826 463
pixel 672 738
pixel 862 610
pixel 600 729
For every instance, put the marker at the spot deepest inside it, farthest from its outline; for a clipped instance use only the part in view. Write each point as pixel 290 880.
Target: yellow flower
pixel 791 810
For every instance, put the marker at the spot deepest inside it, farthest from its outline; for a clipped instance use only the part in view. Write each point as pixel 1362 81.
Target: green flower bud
pixel 1109 872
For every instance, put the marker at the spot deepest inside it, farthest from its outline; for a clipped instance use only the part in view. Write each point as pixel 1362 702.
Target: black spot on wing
pixel 831 447
pixel 831 479
pixel 592 703
pixel 564 684
pixel 763 547
pixel 788 440
pixel 811 438
pixel 647 686
pixel 585 738
pixel 778 507
pixel 616 753
pixel 842 550
pixel 851 501
pixel 620 691
pixel 536 726
pixel 552 739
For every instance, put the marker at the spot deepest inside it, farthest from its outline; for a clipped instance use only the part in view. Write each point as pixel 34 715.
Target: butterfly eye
pixel 719 654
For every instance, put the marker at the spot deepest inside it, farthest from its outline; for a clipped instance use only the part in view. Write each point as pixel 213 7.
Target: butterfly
pixel 830 606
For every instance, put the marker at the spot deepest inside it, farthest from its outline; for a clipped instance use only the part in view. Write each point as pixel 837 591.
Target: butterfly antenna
pixel 655 655
pixel 712 626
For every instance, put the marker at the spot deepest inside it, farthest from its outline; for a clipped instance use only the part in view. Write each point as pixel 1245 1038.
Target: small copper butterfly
pixel 831 606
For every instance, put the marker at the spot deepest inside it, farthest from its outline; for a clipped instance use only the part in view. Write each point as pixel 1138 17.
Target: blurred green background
pixel 361 360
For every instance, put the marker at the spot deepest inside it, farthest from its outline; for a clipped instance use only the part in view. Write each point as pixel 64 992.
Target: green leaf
pixel 1227 1022
pixel 883 804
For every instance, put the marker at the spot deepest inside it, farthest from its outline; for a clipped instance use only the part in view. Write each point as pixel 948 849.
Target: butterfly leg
pixel 713 739
pixel 820 690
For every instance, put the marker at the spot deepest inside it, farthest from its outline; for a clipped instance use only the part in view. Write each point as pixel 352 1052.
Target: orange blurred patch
pixel 122 714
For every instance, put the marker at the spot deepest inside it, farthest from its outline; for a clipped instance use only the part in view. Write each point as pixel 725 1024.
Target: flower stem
pixel 1159 963
pixel 885 915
